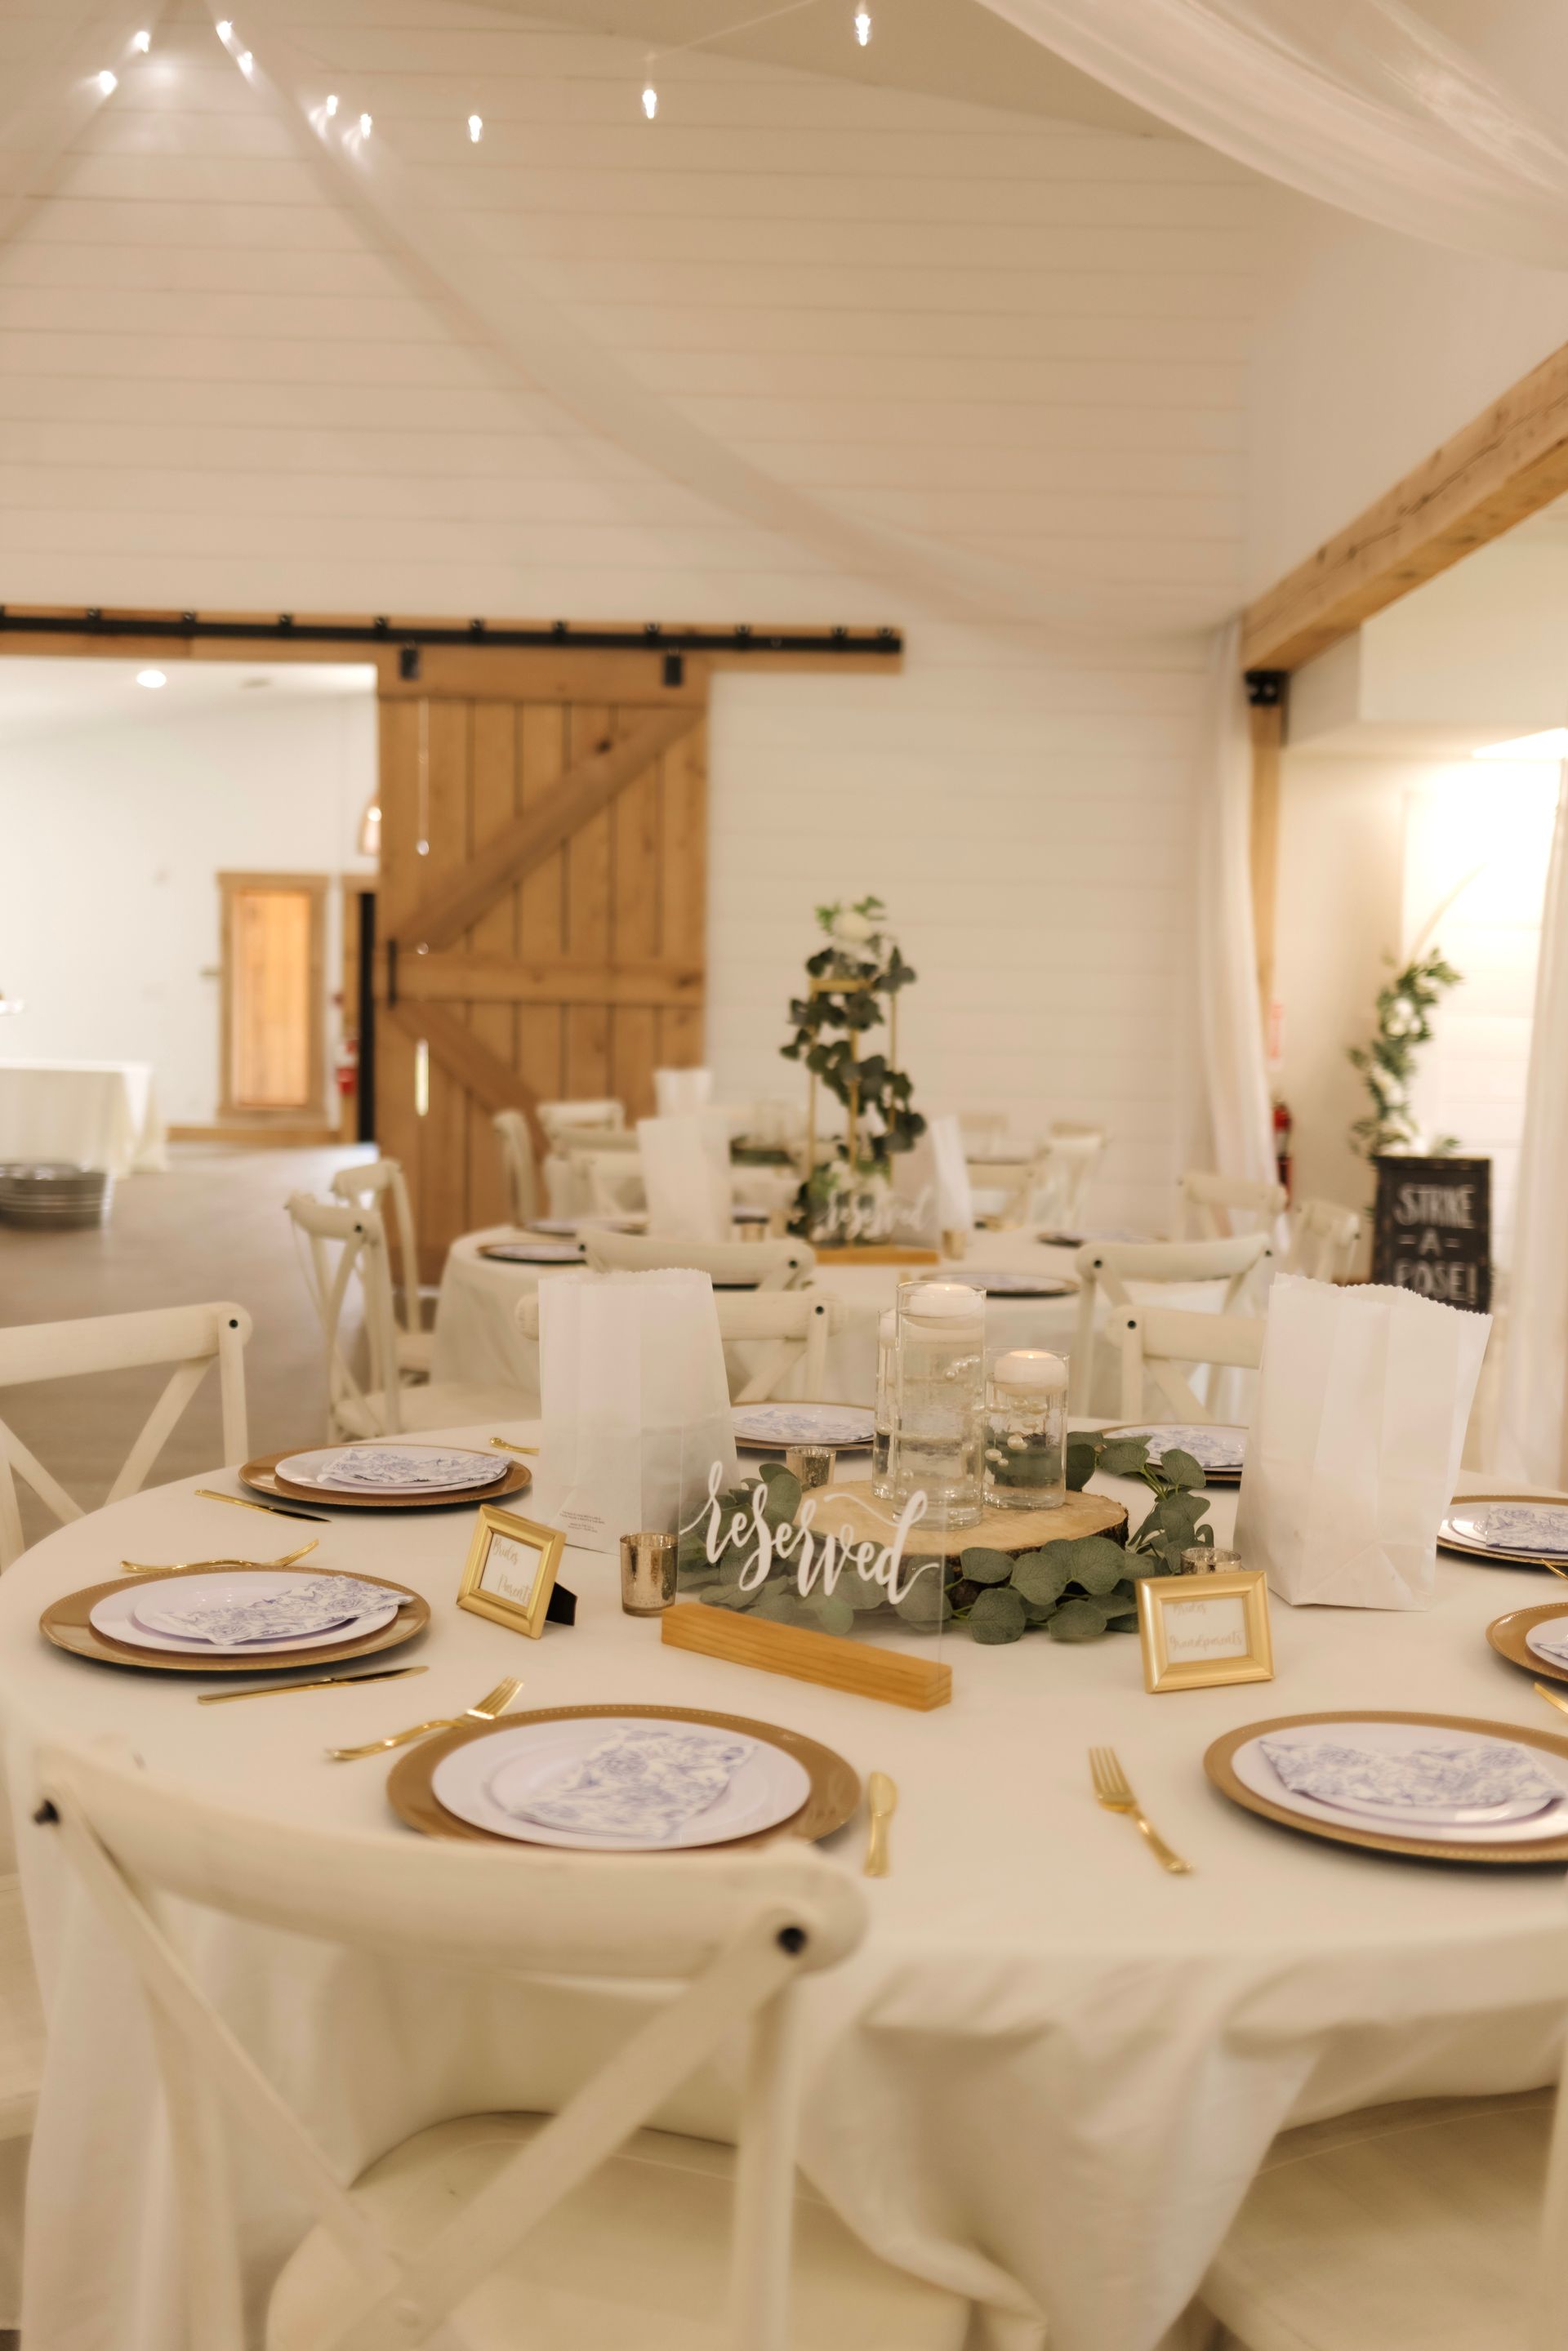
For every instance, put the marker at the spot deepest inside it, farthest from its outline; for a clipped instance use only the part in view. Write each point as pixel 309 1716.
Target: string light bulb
pixel 332 106
pixel 863 26
pixel 245 61
pixel 108 82
pixel 142 43
pixel 364 126
pixel 226 30
pixel 649 100
pixel 475 129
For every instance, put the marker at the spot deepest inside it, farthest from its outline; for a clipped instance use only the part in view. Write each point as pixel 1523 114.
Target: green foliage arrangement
pixel 1388 1065
pixel 1074 1590
pixel 854 979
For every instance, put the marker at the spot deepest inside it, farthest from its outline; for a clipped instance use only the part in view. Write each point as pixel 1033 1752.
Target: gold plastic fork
pixel 485 1710
pixel 1112 1790
pixel 179 1566
pixel 505 1445
pixel 1553 1697
pixel 882 1794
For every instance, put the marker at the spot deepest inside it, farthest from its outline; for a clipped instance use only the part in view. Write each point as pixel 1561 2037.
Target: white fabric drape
pixel 1230 1033
pixel 1360 103
pixel 1532 1436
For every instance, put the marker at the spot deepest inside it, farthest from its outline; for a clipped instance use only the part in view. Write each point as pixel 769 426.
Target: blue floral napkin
pixel 641 1784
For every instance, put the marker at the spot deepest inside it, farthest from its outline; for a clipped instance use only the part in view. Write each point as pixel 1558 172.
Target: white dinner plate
pixel 1019 1285
pixel 1212 1443
pixel 533 1252
pixel 1522 1822
pixel 115 1615
pixel 478 1470
pixel 768 1787
pixel 803 1424
pixel 1532 1530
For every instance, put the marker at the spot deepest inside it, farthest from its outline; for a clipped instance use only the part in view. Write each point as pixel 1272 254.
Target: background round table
pixel 1044 2080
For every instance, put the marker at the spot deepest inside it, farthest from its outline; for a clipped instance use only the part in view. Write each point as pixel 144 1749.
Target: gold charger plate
pixel 1507 1635
pixel 834 1794
pixel 1217 1762
pixel 68 1623
pixel 261 1476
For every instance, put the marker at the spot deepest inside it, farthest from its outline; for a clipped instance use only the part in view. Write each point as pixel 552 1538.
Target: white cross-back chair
pixel 1157 1342
pixel 1104 1270
pixel 343 1244
pixel 610 1182
pixel 765 1265
pixel 774 1341
pixel 1062 1179
pixel 1211 1206
pixel 1437 2225
pixel 575 2232
pixel 517 1165
pixel 191 1338
pixel 380 1184
pixel 1324 1239
pixel 562 1118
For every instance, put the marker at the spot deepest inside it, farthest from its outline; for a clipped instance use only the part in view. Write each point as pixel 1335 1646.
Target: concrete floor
pixel 213 1227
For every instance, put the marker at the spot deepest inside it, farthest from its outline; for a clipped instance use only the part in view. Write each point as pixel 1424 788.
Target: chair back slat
pixel 1323 1238
pixel 772 1265
pixel 380 1184
pixel 794 1326
pixel 1104 1270
pixel 1156 1341
pixel 190 1338
pixel 1212 1204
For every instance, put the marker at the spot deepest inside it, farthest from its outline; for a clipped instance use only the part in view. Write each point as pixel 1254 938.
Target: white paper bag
pixel 677 1091
pixel 1362 1402
pixel 685 1173
pixel 636 1404
pixel 955 1200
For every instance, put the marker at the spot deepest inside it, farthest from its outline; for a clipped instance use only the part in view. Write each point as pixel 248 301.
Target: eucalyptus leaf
pixel 1179 1468
pixel 997 1616
pixel 1123 1457
pixel 1038 1613
pixel 925 1605
pixel 724 1596
pixel 1122 1601
pixel 982 1566
pixel 1040 1577
pixel 1082 1459
pixel 861 1591
pixel 1098 1563
pixel 1077 1620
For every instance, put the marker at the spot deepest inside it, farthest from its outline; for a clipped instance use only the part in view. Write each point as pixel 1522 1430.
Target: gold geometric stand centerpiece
pixel 869 1521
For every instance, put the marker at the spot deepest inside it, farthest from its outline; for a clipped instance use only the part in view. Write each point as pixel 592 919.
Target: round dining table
pixel 1044 2080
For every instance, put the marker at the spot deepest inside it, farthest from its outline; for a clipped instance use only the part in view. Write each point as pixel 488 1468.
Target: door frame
pixel 313 1111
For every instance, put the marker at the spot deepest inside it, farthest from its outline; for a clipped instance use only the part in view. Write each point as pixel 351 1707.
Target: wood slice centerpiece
pixel 869 1521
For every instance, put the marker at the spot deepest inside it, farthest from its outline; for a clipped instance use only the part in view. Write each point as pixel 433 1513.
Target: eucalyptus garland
pixel 1388 1065
pixel 1074 1590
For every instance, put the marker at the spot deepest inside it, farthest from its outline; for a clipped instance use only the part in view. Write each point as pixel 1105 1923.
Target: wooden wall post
pixel 1266 701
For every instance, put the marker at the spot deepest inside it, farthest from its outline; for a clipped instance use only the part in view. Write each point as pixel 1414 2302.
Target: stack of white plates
pixel 54 1194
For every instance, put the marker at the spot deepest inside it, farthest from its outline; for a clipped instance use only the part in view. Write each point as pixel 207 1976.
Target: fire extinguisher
pixel 347 1072
pixel 1283 1127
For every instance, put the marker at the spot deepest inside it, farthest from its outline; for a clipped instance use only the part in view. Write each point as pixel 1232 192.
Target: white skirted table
pixel 101 1115
pixel 477 1339
pixel 1046 2078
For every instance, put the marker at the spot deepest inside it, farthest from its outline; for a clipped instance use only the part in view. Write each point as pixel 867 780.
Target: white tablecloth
pixel 92 1113
pixel 476 1336
pixel 1046 2077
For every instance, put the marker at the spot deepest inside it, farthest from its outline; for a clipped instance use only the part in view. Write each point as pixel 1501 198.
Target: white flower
pixel 854 928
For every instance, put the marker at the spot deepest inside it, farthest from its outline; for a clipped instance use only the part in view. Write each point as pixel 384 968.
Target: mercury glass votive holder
pixel 1207 1558
pixel 647 1573
pixel 813 1465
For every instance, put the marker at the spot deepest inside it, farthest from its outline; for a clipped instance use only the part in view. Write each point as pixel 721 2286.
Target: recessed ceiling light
pixel 151 679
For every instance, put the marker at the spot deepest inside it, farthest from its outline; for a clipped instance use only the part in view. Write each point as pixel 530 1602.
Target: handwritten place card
pixel 1203 1631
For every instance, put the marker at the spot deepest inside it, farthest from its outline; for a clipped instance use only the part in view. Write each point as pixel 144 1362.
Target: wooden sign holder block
pixel 868 1519
pixel 831 1661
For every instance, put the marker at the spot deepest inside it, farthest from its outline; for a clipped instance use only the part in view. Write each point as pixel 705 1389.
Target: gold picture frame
pixel 501 1584
pixel 1230 1643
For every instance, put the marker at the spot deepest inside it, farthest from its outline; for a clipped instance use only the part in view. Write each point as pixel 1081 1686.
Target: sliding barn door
pixel 542 905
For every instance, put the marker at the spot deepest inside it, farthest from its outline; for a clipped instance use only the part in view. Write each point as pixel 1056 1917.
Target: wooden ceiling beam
pixel 1505 464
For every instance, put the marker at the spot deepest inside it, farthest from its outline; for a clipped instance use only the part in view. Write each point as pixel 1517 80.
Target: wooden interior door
pixel 273 994
pixel 542 905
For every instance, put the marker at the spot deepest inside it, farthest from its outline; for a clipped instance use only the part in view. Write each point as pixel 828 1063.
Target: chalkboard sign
pixel 1433 1229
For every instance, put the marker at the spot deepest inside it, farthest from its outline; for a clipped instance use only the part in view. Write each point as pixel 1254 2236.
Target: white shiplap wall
pixel 1027 340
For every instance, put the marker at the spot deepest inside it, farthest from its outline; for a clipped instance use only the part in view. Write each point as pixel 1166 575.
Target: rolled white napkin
pixel 1362 1402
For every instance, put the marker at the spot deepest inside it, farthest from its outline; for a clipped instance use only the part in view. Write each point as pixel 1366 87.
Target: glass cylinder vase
pixel 940 1400
pixel 1026 1431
